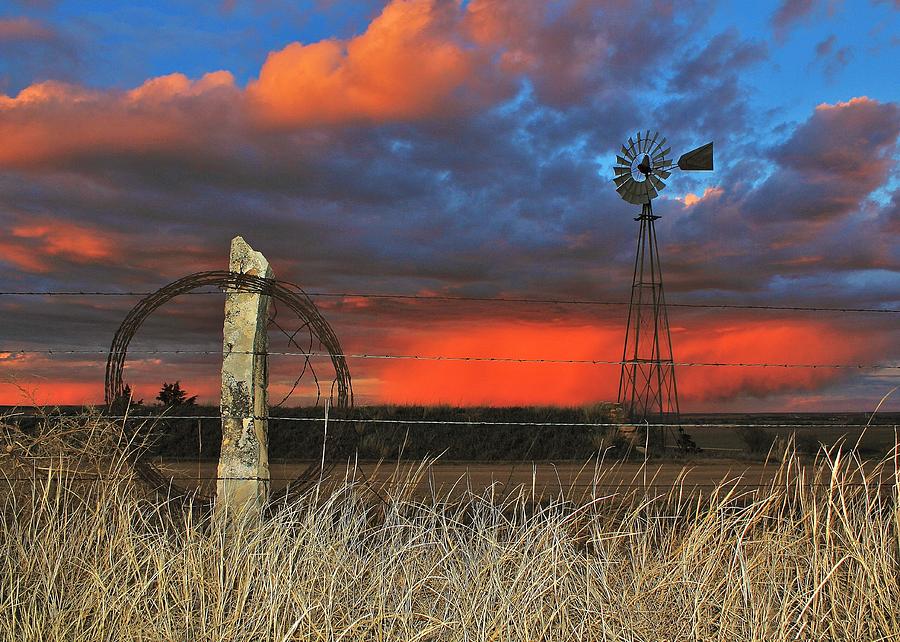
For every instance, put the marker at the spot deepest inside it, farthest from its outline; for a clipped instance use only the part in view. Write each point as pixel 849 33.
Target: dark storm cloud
pixel 574 50
pixel 810 221
pixel 839 156
pixel 426 199
pixel 726 54
pixel 707 100
pixel 478 202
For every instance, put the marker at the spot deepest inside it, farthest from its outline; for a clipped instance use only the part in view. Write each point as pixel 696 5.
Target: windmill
pixel 647 382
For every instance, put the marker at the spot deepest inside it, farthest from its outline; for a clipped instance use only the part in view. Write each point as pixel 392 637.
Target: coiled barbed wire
pixel 288 294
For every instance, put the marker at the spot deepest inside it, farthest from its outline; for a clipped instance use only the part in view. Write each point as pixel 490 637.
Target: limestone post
pixel 243 473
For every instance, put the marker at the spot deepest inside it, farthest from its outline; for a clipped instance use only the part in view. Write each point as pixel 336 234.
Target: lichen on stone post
pixel 243 472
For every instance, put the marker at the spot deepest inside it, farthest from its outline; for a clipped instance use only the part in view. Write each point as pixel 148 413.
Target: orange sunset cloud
pixel 33 246
pixel 410 62
pixel 404 66
pixel 54 121
pixel 501 384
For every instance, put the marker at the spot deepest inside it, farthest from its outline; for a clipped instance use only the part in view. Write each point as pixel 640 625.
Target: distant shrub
pixel 757 440
pixel 685 443
pixel 807 443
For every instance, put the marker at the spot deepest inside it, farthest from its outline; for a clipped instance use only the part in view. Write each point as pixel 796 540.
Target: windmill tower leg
pixel 647 389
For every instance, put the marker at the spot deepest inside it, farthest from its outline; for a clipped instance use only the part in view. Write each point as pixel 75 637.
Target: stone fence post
pixel 243 472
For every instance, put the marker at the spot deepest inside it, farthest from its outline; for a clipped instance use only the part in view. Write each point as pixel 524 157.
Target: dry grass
pixel 806 558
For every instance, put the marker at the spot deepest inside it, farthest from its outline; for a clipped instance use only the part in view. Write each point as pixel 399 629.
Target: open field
pixel 86 553
pixel 97 562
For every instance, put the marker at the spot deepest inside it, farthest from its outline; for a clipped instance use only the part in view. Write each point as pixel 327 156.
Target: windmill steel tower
pixel 647 388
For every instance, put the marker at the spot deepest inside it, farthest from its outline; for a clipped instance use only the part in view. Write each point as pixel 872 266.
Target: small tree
pixel 171 394
pixel 128 396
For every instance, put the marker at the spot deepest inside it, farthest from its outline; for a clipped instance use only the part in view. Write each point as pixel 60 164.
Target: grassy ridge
pixel 201 439
pixel 805 558
pixel 190 438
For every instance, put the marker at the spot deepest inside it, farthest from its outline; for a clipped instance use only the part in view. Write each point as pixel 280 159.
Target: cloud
pixel 826 46
pixel 788 341
pixel 49 245
pixel 706 96
pixel 32 51
pixel 690 199
pixel 788 14
pixel 53 123
pixel 562 52
pixel 408 64
pixel 49 392
pixel 832 59
pixel 734 341
pixel 35 246
pixel 724 55
pixel 807 221
pixel 578 50
pixel 418 61
pixel 891 215
pixel 834 160
pixel 791 12
pixel 485 383
pixel 25 29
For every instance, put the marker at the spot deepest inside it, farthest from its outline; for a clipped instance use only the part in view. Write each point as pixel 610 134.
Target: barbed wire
pixel 464 422
pixel 418 357
pixel 526 300
pixel 542 485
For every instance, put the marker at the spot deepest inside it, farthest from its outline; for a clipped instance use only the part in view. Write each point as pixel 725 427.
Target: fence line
pixel 428 482
pixel 460 422
pixel 418 357
pixel 534 301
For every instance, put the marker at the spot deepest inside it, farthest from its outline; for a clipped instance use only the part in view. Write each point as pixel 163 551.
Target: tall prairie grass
pixel 813 556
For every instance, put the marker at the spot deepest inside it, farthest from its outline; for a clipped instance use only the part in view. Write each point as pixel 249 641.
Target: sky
pixel 455 149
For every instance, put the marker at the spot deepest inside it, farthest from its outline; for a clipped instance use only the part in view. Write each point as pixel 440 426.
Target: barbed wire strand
pixel 461 422
pixel 418 357
pixel 526 300
pixel 427 482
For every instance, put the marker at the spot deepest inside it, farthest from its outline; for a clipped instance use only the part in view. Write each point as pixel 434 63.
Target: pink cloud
pixel 35 246
pixel 52 121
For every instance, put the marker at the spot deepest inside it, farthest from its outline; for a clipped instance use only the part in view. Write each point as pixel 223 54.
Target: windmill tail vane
pixel 647 386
